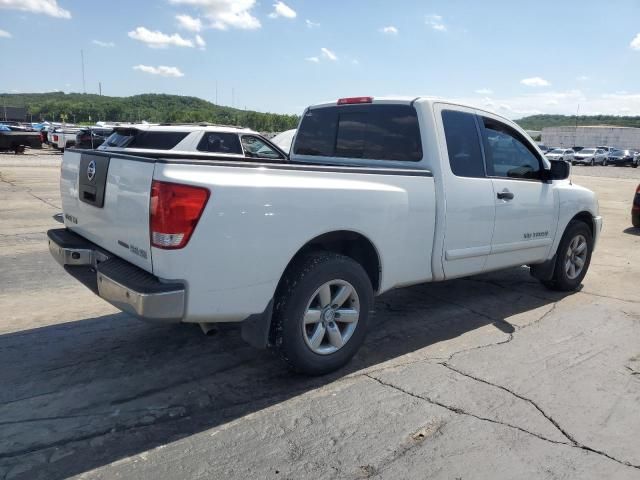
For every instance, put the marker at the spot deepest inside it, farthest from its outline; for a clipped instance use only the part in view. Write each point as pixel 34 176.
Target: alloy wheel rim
pixel 331 317
pixel 575 257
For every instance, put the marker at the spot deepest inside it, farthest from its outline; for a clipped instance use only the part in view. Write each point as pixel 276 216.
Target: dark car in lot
pixel 92 137
pixel 15 139
pixel 622 158
pixel 635 209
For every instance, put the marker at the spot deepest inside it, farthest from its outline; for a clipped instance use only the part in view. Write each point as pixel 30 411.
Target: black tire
pixel 561 280
pixel 604 162
pixel 593 162
pixel 634 165
pixel 295 292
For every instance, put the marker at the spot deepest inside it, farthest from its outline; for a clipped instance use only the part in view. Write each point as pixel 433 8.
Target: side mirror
pixel 560 170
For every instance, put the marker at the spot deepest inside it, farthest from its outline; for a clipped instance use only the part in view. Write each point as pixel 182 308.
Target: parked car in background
pixel 15 139
pixel 590 156
pixel 576 149
pixel 194 141
pixel 63 137
pixel 92 137
pixel 283 140
pixel 622 158
pixel 635 209
pixel 378 194
pixel 605 148
pixel 565 154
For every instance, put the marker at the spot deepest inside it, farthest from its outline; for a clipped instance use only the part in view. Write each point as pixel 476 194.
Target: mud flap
pixel 255 328
pixel 544 271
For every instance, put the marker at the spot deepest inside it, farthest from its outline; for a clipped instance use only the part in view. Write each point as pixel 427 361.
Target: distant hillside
pixel 83 108
pixel 538 122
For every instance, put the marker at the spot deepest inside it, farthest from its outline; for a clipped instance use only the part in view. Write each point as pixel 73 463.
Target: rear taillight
pixel 174 212
pixel 354 100
pixel 55 138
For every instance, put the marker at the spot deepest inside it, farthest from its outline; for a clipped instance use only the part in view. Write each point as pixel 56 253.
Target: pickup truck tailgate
pixel 105 199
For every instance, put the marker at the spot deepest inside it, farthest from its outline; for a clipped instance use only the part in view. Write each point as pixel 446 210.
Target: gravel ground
pixel 487 377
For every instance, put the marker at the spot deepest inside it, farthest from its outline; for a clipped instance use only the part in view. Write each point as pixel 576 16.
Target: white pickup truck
pixel 63 137
pixel 377 194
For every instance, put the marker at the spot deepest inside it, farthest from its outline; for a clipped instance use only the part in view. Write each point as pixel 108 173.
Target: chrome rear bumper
pixel 120 283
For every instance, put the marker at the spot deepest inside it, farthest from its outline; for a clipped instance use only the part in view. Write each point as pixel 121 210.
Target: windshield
pixel 588 151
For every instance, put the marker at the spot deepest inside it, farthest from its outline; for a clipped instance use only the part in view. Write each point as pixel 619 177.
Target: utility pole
pixel 100 88
pixel 84 88
pixel 575 135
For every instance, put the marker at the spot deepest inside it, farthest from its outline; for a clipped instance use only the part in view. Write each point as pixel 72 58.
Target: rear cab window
pixel 371 131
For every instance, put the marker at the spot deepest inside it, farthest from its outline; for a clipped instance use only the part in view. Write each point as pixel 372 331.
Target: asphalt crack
pixel 29 192
pixel 459 411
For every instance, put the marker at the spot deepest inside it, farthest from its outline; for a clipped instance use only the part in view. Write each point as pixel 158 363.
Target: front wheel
pixel 321 312
pixel 593 162
pixel 634 164
pixel 573 257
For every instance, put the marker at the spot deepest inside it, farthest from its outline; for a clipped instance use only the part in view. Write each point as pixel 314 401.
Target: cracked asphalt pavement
pixel 487 377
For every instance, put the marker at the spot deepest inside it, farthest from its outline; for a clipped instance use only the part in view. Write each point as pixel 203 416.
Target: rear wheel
pixel 604 162
pixel 321 312
pixel 573 257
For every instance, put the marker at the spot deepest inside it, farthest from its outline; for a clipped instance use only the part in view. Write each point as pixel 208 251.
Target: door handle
pixel 505 195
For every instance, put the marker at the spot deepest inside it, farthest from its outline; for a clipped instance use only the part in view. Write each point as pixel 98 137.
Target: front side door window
pixel 508 154
pixel 255 147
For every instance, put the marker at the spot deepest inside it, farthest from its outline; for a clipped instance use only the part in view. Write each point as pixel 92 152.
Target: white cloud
pixel 311 24
pixel 484 91
pixel 435 22
pixel 103 44
pixel 190 23
pixel 45 7
pixel 390 30
pixel 582 78
pixel 313 59
pixel 635 43
pixel 281 9
pixel 157 39
pixel 200 42
pixel 559 102
pixel 328 54
pixel 161 70
pixel 5 34
pixel 225 14
pixel 535 82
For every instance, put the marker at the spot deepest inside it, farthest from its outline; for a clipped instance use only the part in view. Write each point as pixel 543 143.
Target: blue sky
pixel 515 58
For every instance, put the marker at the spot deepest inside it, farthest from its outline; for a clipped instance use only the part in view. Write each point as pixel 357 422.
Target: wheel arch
pixel 349 243
pixel 586 217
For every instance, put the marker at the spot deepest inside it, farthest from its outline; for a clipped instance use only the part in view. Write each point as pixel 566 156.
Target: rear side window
pixel 220 142
pixel 145 140
pixel 375 132
pixel 463 144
